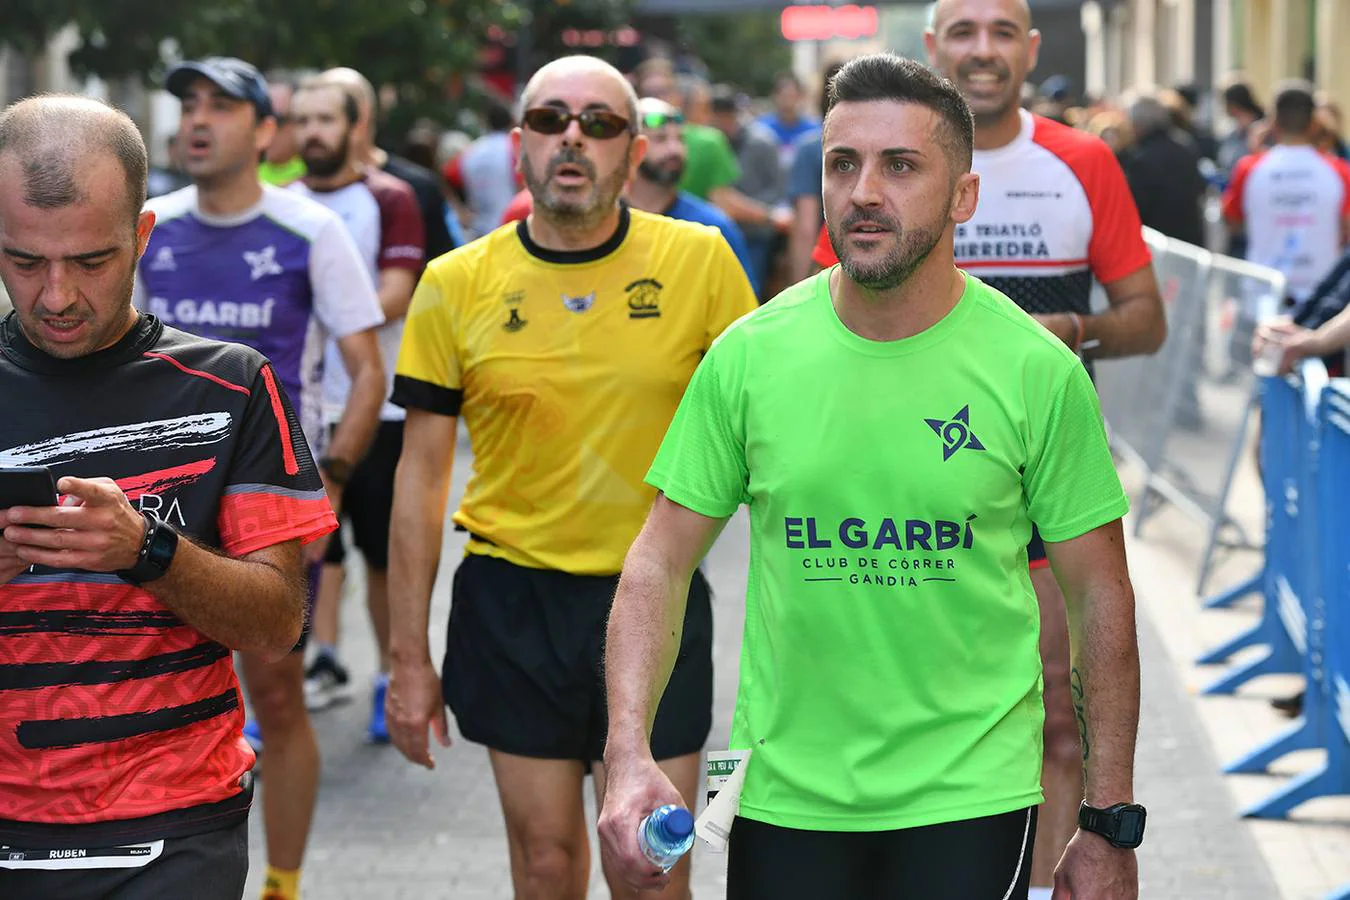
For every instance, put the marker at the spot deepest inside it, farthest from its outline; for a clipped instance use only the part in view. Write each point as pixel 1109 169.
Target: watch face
pixel 1130 826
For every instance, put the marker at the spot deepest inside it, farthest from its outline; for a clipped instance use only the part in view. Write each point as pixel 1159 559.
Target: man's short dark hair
pixel 1294 107
pixel 499 117
pixel 887 77
pixel 49 135
pixel 1240 96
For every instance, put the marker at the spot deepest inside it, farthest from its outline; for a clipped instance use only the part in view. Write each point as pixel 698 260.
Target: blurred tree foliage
pixel 420 48
pixel 744 49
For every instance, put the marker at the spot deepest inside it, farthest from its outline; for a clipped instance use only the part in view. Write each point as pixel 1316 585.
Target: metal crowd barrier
pixel 1305 626
pixel 1168 412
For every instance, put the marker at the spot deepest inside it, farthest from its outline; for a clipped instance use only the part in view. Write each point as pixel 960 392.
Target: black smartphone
pixel 26 486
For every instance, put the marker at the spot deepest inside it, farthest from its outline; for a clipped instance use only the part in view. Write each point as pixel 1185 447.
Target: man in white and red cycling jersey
pixel 1293 200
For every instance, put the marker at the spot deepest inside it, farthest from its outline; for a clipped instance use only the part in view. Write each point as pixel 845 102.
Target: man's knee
pixel 547 861
pixel 277 696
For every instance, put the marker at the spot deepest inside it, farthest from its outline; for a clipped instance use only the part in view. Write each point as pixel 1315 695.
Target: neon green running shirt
pixel 890 675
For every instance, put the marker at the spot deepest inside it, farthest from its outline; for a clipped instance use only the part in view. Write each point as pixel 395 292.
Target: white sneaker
pixel 326 683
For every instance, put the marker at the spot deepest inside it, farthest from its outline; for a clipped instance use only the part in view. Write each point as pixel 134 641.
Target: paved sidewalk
pixel 386 829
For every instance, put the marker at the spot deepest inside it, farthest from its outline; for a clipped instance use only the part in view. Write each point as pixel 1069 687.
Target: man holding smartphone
pixel 186 490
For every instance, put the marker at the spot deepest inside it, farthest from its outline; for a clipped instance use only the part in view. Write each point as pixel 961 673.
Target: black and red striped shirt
pixel 119 722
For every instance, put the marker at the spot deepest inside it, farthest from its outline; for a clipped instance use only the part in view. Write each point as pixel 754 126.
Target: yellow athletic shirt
pixel 567 368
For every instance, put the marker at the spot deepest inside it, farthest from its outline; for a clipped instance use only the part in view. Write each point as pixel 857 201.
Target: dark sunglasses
pixel 660 120
pixel 595 123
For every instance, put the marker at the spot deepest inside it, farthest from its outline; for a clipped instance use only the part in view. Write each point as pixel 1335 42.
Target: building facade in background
pixel 1139 44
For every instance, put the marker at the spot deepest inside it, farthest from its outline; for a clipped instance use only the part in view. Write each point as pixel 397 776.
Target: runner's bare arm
pixel 361 357
pixel 1134 325
pixel 647 619
pixel 421 489
pixel 254 603
pixel 746 210
pixel 396 291
pixel 802 237
pixel 1092 573
pixel 416 525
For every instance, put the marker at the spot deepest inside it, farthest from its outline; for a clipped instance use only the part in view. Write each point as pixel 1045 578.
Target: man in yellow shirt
pixel 567 341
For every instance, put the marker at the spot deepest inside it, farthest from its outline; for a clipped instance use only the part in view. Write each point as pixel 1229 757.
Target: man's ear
pixel 965 197
pixel 145 223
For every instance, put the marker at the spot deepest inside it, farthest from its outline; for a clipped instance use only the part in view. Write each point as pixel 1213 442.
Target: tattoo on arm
pixel 1076 685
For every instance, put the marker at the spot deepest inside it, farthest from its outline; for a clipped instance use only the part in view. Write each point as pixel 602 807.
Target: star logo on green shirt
pixel 955 433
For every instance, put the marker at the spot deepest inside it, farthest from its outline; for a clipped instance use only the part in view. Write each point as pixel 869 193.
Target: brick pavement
pixel 385 829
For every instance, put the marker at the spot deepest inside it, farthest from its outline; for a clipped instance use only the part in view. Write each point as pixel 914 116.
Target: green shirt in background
pixel 890 675
pixel 282 174
pixel 711 162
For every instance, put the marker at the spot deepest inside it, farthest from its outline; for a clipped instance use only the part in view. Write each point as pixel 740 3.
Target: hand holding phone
pixel 21 486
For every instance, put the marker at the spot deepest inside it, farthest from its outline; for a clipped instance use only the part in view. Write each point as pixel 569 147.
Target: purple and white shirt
pixel 281 277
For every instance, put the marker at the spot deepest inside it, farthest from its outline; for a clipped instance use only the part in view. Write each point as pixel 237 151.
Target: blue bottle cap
pixel 679 823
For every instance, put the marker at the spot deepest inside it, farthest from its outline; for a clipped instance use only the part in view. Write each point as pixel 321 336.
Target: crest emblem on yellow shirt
pixel 515 322
pixel 644 298
pixel 579 304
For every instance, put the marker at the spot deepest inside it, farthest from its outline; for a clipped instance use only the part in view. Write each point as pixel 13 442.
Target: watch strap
pixel 156 552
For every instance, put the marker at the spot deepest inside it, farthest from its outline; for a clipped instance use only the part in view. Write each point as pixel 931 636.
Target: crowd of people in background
pixel 757 159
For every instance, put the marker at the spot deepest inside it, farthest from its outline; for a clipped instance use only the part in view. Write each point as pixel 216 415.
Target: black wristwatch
pixel 1122 825
pixel 338 470
pixel 156 554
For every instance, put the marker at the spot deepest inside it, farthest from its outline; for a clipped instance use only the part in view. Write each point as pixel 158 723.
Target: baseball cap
pixel 1058 88
pixel 235 77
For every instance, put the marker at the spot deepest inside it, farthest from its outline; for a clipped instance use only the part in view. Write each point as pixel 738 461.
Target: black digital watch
pixel 156 554
pixel 1122 825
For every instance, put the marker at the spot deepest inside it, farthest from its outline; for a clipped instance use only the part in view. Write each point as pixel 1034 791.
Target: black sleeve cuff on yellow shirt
pixel 411 393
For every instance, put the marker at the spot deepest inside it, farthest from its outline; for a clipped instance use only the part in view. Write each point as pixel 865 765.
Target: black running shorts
pixel 210 866
pixel 368 499
pixel 523 663
pixel 975 859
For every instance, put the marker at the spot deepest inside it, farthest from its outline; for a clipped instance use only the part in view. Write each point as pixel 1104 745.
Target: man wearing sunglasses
pixel 656 188
pixel 566 340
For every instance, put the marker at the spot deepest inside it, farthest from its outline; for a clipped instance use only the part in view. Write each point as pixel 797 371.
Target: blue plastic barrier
pixel 1305 626
pixel 1335 494
pixel 1290 472
pixel 1288 424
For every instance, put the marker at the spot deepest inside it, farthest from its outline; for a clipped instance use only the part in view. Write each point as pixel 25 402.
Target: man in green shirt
pixel 281 164
pixel 894 426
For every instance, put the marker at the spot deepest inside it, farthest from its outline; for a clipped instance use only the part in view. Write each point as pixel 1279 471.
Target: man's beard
pixel 568 209
pixel 912 247
pixel 327 164
pixel 662 176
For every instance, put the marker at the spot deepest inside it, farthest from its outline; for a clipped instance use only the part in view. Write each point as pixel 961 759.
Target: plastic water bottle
pixel 666 835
